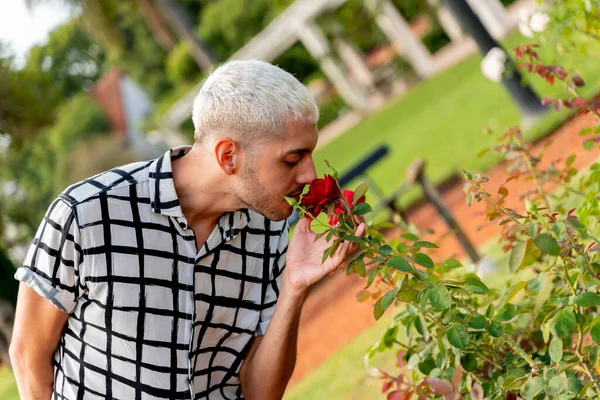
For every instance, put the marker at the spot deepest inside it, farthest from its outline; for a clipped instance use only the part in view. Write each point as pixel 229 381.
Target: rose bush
pixel 537 336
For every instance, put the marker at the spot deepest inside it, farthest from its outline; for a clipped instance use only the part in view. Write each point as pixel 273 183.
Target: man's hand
pixel 304 255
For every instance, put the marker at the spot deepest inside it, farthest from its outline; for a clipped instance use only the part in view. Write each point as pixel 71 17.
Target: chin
pixel 277 214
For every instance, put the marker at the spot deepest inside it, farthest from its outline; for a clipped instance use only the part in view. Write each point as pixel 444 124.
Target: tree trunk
pixel 161 34
pixel 182 27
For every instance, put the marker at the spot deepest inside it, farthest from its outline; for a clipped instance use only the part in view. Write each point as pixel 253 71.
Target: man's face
pixel 278 168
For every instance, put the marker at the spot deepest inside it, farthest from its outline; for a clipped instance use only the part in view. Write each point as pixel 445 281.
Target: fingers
pixel 304 225
pixel 360 231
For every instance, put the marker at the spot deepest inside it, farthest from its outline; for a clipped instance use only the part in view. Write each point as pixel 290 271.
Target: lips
pixel 296 195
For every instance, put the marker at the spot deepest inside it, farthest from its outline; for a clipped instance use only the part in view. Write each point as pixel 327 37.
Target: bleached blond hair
pixel 251 98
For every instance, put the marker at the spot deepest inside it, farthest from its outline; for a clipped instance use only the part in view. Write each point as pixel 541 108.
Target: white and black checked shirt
pixel 150 315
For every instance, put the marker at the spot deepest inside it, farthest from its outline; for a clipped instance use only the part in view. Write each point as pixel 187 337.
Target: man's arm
pixel 271 359
pixel 270 362
pixel 37 332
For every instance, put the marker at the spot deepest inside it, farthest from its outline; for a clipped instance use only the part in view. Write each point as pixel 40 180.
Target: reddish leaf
pixel 578 81
pixel 438 387
pixel 525 65
pixel 400 395
pixel 511 396
pixel 558 104
pixel 399 360
pixel 457 377
pixel 547 100
pixel 579 101
pixel 387 385
pixel 503 191
pixel 571 211
pixel 477 392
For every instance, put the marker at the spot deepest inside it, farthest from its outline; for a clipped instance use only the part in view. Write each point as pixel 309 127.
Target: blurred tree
pixel 69 59
pixel 27 99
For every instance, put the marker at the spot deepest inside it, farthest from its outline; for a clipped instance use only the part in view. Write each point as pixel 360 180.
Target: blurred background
pixel 86 85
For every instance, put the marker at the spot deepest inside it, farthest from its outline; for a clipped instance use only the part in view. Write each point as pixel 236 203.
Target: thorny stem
pixel 522 353
pixel 495 203
pixel 589 373
pixel 533 171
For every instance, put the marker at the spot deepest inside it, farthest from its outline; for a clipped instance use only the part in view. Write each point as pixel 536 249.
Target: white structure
pixel 296 23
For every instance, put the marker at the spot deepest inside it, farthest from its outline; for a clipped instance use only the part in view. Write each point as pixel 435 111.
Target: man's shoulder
pixel 113 181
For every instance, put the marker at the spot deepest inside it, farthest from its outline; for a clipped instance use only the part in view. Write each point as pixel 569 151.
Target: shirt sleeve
pixel 51 266
pixel 274 283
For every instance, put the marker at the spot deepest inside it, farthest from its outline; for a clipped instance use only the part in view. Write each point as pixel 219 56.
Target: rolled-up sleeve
pixel 51 266
pixel 274 284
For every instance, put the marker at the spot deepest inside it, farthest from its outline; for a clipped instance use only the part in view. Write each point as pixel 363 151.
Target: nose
pixel 308 173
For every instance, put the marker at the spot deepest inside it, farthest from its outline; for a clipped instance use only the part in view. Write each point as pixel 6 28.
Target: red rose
pixel 349 196
pixel 320 193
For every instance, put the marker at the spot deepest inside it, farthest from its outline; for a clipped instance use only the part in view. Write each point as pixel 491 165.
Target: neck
pixel 202 192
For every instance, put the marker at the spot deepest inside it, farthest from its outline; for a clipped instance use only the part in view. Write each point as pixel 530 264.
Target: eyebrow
pixel 298 151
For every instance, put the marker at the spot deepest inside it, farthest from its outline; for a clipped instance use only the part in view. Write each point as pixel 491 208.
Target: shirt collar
pixel 164 200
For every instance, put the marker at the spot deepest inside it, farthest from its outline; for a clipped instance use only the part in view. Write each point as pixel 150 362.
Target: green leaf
pixel 557 384
pixel 452 263
pixel 506 313
pixel 371 277
pixel 473 284
pixel 595 333
pixel 359 268
pixel 400 264
pixel 496 329
pixel 423 260
pixel 570 160
pixel 350 238
pixel 547 244
pixel 360 191
pixel 427 365
pixel 362 209
pixel 477 322
pixel 490 311
pixel 564 323
pixel 440 297
pixel 384 303
pixel 330 235
pixel 325 254
pixel 589 144
pixel 511 292
pixel 291 201
pixel 422 243
pixel 409 236
pixel 386 250
pixel 534 285
pixel 458 336
pixel 517 256
pixel 587 299
pixel 532 387
pixel 556 350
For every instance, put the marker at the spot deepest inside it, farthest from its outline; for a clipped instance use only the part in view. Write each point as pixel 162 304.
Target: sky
pixel 22 28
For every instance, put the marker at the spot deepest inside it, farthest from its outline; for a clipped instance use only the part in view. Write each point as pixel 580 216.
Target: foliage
pixel 40 168
pixel 537 338
pixel 574 25
pixel 180 66
pixel 70 60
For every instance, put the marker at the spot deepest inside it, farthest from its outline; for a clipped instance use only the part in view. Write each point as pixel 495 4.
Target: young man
pixel 166 279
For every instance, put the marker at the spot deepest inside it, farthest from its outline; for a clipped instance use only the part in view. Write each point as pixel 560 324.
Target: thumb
pixel 303 224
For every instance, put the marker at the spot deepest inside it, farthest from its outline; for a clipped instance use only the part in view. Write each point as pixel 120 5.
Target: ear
pixel 229 155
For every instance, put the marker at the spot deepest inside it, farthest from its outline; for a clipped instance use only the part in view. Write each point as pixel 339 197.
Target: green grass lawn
pixel 8 387
pixel 441 121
